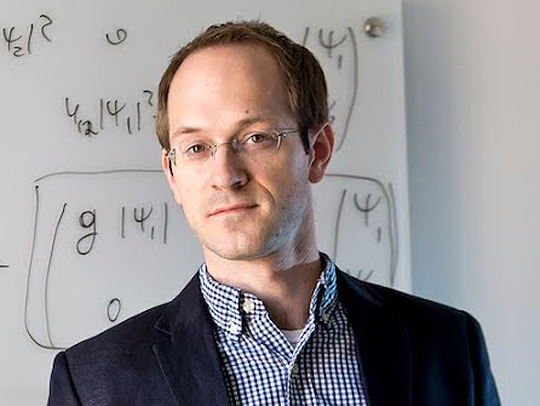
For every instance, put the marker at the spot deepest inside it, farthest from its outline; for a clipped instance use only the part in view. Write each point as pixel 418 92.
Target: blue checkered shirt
pixel 260 365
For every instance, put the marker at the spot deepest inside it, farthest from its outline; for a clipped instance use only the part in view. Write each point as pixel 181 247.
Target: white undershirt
pixel 293 336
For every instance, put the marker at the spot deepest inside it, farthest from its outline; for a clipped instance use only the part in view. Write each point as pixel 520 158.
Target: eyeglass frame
pixel 171 154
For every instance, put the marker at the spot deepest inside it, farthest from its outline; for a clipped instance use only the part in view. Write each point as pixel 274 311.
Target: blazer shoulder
pixel 401 304
pixel 137 333
pixel 124 338
pixel 444 346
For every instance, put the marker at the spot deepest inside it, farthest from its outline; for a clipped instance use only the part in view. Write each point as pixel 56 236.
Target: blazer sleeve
pixel 61 389
pixel 485 390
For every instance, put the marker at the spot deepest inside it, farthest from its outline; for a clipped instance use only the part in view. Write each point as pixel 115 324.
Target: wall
pixel 473 111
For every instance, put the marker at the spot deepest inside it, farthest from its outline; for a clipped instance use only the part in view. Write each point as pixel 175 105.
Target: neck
pixel 284 281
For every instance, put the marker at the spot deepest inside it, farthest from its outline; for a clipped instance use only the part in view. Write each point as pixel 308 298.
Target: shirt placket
pixel 247 324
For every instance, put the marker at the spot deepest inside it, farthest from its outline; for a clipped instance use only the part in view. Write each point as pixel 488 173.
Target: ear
pixel 168 170
pixel 320 152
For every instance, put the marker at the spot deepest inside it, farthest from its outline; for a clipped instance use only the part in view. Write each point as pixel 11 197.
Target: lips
pixel 237 207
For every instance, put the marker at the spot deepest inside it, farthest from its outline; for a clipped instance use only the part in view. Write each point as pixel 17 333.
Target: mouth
pixel 232 209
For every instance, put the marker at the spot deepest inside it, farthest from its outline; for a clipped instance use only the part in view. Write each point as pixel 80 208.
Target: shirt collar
pixel 325 293
pixel 227 305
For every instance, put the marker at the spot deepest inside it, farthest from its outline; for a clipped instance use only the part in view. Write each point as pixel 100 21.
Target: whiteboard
pixel 90 233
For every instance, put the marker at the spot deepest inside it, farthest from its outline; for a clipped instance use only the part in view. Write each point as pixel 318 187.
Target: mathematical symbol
pixel 367 208
pixel 142 218
pixel 329 44
pixel 121 36
pixel 45 25
pixel 150 95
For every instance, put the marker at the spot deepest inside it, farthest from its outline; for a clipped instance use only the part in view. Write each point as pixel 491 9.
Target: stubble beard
pixel 276 233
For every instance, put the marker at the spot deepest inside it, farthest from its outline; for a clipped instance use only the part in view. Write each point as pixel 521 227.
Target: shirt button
pixel 248 306
pixel 234 328
pixel 295 368
pixel 325 317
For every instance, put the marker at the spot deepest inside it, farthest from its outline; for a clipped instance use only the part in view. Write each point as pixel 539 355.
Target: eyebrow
pixel 245 122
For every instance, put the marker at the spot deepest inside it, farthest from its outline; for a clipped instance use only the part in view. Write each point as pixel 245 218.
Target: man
pixel 268 319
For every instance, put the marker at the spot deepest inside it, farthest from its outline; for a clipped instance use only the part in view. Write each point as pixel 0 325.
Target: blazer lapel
pixel 383 347
pixel 187 353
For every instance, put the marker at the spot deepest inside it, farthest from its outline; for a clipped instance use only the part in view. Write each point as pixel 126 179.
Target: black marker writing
pixel 113 309
pixel 329 44
pixel 101 105
pixel 71 113
pixel 87 220
pixel 306 35
pixel 16 43
pixel 147 221
pixel 338 223
pixel 367 208
pixel 388 211
pixel 121 36
pixel 150 95
pixel 128 117
pixel 338 47
pixel 115 111
pixel 10 40
pixel 49 22
pixel 123 224
pixel 138 116
pixel 165 221
pixel 29 42
pixel 142 218
pixel 48 273
pixel 87 125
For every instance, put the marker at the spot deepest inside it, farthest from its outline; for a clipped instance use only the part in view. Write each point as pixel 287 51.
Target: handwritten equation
pixel 356 225
pixel 99 239
pixel 89 121
pixel 103 250
pixel 337 51
pixel 20 41
pixel 143 216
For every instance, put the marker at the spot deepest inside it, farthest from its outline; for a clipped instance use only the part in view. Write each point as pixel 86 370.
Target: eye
pixel 258 138
pixel 196 149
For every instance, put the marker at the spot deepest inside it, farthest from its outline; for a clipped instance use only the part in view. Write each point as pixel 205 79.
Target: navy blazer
pixel 410 351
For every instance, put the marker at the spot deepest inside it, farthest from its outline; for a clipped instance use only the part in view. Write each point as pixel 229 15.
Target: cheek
pixel 294 174
pixel 189 198
pixel 289 183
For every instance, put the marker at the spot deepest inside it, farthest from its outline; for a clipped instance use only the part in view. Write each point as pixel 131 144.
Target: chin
pixel 233 250
pixel 234 253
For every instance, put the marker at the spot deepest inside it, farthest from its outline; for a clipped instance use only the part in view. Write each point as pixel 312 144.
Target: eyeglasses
pixel 255 145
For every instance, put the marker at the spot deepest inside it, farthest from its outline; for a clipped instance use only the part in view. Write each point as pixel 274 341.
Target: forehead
pixel 227 80
pixel 248 58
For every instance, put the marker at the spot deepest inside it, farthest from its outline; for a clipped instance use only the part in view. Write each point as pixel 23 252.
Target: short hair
pixel 303 76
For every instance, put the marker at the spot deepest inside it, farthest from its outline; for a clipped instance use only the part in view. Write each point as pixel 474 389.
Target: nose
pixel 228 168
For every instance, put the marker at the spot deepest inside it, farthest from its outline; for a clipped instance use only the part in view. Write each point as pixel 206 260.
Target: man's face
pixel 219 93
